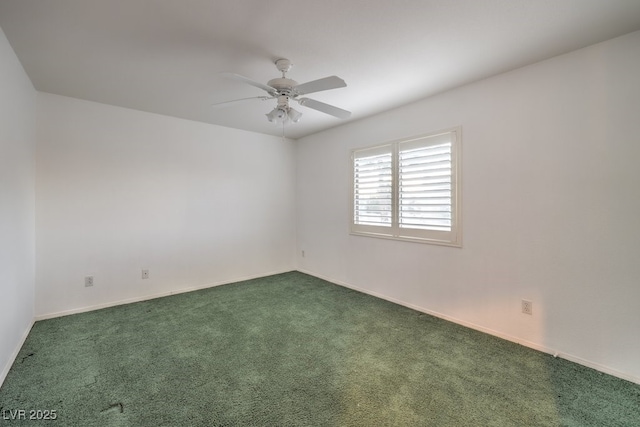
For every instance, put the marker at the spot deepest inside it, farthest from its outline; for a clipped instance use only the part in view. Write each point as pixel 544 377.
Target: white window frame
pixel 391 229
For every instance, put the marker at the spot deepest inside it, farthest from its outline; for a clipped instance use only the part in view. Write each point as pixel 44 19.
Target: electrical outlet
pixel 88 281
pixel 145 273
pixel 527 307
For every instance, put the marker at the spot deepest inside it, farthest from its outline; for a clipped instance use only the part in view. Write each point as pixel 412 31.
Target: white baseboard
pixel 12 358
pixel 152 296
pixel 532 345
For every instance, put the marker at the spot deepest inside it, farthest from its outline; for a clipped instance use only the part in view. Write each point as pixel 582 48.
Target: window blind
pixel 425 187
pixel 373 193
pixel 409 189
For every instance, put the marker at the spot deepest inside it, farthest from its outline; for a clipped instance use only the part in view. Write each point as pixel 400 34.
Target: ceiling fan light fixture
pixel 277 115
pixel 294 115
pixel 283 114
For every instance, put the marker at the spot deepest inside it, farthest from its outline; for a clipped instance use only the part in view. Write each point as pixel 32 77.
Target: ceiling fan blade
pixel 332 82
pixel 226 103
pixel 325 108
pixel 248 81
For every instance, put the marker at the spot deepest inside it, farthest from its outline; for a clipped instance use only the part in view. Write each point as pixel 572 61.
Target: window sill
pixel 429 241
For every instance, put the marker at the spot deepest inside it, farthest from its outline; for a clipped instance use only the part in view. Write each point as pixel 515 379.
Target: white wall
pixel 551 208
pixel 118 190
pixel 17 173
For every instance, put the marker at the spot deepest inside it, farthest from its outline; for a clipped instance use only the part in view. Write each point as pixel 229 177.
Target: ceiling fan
pixel 285 90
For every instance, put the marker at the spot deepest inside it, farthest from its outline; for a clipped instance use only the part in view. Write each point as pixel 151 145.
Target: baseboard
pixel 532 345
pixel 151 296
pixel 12 358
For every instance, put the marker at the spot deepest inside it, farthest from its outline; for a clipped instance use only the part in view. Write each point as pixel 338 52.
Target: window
pixel 409 189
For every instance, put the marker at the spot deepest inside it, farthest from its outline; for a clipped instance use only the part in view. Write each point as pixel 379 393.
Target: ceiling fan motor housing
pixel 283 85
pixel 283 101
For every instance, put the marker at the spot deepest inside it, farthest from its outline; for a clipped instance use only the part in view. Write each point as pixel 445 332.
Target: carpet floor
pixel 294 350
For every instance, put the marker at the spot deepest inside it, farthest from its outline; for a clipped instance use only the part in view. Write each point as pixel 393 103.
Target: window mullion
pixel 395 191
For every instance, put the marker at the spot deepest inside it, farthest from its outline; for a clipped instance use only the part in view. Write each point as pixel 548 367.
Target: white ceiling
pixel 166 56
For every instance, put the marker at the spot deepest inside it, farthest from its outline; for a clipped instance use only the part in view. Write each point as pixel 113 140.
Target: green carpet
pixel 294 350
